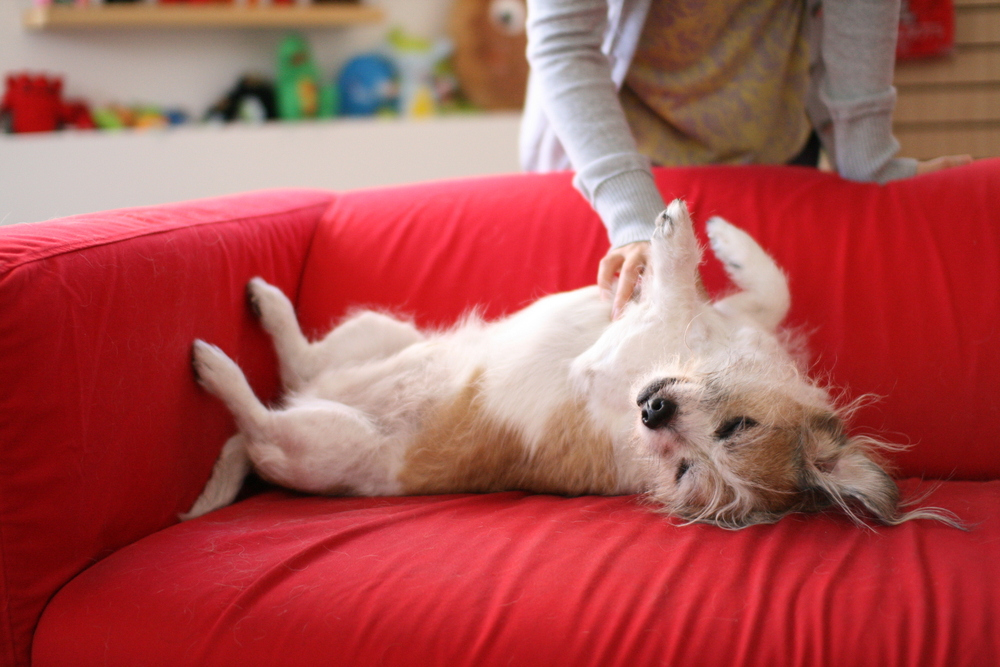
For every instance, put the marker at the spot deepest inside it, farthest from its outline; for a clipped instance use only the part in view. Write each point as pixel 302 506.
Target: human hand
pixel 943 162
pixel 628 262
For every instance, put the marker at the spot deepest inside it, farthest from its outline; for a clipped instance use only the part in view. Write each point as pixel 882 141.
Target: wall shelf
pixel 142 15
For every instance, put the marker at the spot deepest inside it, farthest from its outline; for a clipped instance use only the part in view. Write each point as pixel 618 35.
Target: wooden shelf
pixel 142 15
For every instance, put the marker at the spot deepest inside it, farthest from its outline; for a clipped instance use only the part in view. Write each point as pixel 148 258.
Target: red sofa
pixel 105 437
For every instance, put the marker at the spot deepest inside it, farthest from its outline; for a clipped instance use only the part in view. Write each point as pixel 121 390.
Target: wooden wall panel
pixel 951 105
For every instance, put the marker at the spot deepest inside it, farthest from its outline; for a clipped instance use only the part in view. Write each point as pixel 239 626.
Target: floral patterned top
pixel 720 81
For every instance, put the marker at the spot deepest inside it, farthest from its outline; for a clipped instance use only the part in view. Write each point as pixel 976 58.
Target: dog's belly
pixel 489 407
pixel 514 419
pixel 462 447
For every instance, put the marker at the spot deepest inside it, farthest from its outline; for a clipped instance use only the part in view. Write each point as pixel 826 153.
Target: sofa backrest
pixel 897 287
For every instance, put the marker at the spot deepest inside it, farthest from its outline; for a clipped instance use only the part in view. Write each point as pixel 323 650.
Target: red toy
pixel 926 28
pixel 35 104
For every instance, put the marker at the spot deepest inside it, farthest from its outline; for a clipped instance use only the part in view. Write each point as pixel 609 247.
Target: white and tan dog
pixel 698 405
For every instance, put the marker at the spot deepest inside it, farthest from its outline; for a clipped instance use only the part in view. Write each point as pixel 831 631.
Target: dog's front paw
pixel 270 305
pixel 734 247
pixel 212 368
pixel 672 219
pixel 664 224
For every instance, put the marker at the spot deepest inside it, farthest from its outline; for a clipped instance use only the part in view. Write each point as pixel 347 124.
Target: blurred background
pixel 113 104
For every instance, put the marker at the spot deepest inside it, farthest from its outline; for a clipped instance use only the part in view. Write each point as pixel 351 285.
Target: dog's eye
pixel 682 470
pixel 732 426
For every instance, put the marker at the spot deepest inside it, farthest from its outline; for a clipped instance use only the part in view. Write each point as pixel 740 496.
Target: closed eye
pixel 682 470
pixel 733 426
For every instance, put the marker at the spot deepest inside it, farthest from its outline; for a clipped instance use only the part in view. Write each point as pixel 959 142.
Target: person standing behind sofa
pixel 618 84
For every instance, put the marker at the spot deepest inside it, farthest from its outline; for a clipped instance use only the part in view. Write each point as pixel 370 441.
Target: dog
pixel 701 407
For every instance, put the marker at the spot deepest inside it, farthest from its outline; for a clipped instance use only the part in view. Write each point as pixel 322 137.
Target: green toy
pixel 300 90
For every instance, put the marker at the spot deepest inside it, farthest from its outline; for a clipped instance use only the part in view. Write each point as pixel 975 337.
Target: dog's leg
pixel 221 377
pixel 764 295
pixel 317 446
pixel 227 477
pixel 364 337
pixel 325 447
pixel 671 296
pixel 674 258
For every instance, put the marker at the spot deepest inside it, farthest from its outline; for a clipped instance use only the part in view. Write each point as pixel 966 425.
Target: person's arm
pixel 581 103
pixel 858 56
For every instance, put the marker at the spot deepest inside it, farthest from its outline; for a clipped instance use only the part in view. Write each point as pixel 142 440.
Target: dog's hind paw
pixel 270 305
pixel 212 368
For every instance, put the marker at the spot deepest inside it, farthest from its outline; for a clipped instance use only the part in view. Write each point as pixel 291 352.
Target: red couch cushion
pixel 897 286
pixel 513 579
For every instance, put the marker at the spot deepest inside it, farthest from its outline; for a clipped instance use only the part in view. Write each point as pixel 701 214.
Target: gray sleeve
pixel 852 99
pixel 580 101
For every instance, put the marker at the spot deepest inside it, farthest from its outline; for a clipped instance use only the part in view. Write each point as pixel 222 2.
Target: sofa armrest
pixel 104 435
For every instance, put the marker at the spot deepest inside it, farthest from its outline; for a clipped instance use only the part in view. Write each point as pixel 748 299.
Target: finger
pixel 628 277
pixel 607 270
pixel 957 160
pixel 943 162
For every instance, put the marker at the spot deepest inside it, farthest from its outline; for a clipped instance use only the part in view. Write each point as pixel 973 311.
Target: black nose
pixel 658 412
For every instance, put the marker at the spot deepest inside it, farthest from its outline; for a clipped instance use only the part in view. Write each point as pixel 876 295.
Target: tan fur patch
pixel 461 450
pixel 770 463
pixel 771 458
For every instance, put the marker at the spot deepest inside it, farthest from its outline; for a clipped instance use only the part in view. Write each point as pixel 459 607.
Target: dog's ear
pixel 853 477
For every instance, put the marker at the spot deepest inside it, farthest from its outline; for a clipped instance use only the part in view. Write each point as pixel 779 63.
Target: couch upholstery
pixel 105 437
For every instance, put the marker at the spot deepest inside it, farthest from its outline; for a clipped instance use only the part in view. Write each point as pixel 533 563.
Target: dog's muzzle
pixel 657 411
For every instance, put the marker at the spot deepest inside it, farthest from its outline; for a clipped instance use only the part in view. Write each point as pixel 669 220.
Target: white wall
pixel 44 176
pixel 50 175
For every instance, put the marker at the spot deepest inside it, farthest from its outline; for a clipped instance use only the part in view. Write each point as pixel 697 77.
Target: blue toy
pixel 369 85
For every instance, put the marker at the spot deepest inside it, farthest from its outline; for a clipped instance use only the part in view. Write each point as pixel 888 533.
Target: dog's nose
pixel 657 412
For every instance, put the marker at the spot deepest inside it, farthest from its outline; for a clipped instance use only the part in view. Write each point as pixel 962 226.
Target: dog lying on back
pixel 698 405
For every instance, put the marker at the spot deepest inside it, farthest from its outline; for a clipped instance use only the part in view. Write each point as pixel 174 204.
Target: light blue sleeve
pixel 573 79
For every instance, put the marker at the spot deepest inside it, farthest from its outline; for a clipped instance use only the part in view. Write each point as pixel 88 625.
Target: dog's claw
pixel 664 223
pixel 194 361
pixel 252 303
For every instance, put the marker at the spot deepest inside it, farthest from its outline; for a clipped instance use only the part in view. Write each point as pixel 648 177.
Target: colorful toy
pixel 117 117
pixel 149 118
pixel 33 103
pixel 368 85
pixel 300 92
pixel 251 100
pixel 417 59
pixel 76 114
pixel 489 58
